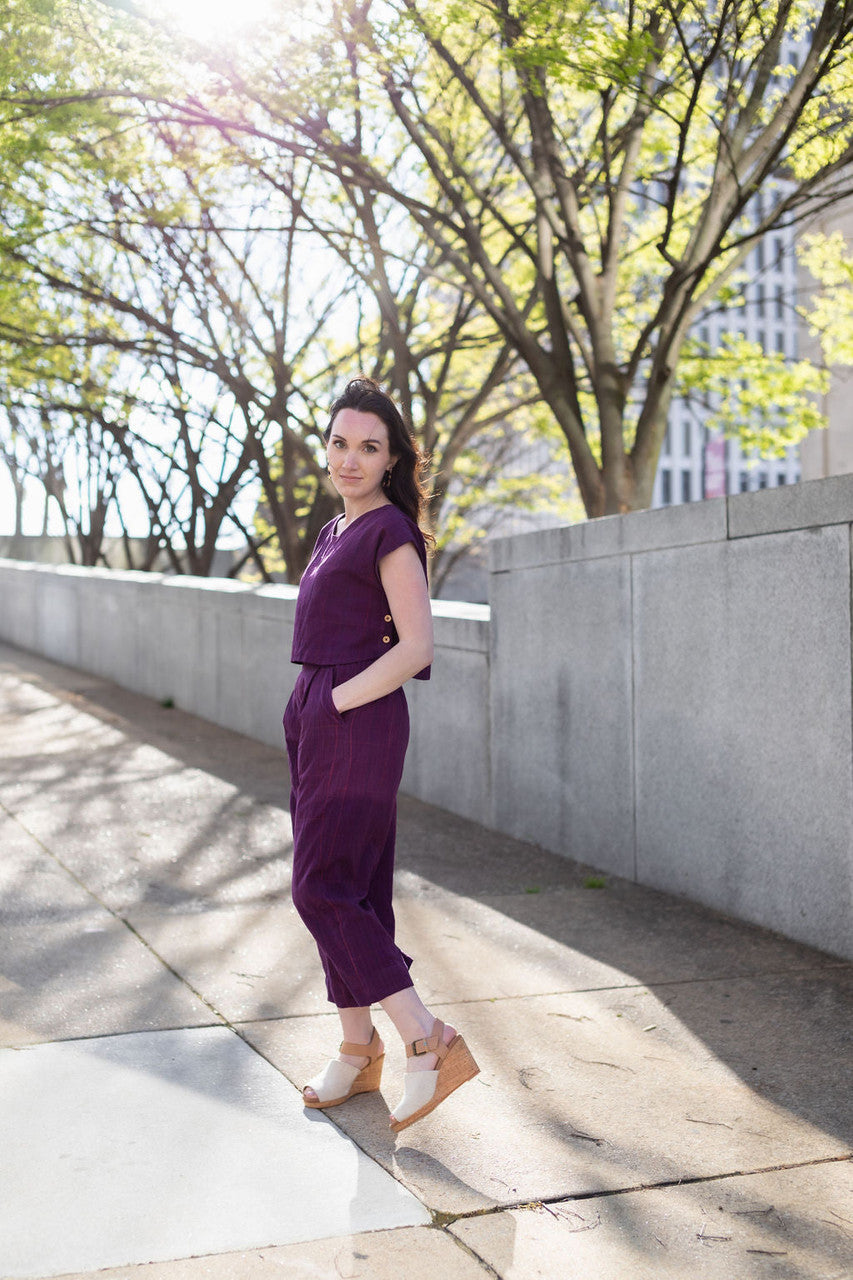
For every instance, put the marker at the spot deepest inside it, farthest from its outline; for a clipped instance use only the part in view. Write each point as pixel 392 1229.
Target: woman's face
pixel 358 454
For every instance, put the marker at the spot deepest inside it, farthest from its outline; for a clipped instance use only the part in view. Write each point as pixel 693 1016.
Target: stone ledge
pixel 80 571
pixel 663 527
pixel 795 506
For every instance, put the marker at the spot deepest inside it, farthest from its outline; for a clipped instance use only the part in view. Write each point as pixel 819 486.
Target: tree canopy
pixel 588 171
pixel 512 213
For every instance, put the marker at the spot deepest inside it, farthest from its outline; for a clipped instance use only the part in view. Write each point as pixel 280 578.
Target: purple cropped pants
pixel 345 770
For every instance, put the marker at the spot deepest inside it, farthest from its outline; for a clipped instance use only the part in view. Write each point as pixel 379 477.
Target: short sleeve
pixel 396 533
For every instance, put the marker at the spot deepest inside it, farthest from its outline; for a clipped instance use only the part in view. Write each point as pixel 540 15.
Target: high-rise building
pixel 696 462
pixel 829 452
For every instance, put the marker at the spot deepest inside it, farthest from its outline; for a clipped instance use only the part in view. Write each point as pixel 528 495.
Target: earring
pixel 386 479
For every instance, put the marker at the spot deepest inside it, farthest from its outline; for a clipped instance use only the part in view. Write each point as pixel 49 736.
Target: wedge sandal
pixel 340 1081
pixel 423 1091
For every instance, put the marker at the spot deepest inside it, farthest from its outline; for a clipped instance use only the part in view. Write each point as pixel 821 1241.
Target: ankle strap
pixel 360 1050
pixel 429 1044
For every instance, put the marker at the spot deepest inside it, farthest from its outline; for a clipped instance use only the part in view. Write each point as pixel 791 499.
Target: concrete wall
pixel 665 695
pixel 672 691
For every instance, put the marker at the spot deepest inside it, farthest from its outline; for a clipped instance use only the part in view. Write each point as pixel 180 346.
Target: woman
pixel 363 627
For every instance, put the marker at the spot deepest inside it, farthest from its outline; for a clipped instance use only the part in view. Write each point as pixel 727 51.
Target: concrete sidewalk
pixel 664 1092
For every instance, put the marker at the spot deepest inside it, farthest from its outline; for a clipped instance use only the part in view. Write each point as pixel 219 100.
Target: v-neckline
pixel 339 533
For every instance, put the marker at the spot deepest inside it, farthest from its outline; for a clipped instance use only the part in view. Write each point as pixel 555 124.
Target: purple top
pixel 342 612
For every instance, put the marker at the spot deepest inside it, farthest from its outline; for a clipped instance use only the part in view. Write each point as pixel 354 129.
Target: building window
pixel 744 482
pixel 780 479
pixel 666 487
pixel 686 486
pixel 686 437
pixel 762 480
pixel 780 303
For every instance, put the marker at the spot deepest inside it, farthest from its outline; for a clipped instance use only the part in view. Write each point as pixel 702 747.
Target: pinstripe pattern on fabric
pixel 345 773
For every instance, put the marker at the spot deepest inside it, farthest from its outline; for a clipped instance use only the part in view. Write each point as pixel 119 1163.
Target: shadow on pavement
pixel 775 1013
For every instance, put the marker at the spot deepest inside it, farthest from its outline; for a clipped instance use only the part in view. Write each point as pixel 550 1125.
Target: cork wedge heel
pixel 423 1091
pixel 340 1081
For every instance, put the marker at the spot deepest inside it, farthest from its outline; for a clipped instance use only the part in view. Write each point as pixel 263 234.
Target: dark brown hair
pixel 405 487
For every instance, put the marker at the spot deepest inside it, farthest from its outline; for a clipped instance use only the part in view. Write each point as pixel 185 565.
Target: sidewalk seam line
pixel 468 1249
pixel 650 1186
pixel 222 1020
pixel 646 1187
pixel 572 991
pixel 116 915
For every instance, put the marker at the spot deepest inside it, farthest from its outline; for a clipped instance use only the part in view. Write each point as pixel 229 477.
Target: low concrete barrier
pixel 221 649
pixel 664 695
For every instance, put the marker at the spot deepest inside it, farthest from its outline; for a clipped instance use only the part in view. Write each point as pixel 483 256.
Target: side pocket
pixel 330 684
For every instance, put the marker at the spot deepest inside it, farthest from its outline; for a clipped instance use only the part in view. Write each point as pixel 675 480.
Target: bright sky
pixel 215 17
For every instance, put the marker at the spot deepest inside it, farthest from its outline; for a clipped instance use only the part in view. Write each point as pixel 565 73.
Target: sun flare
pixel 201 18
